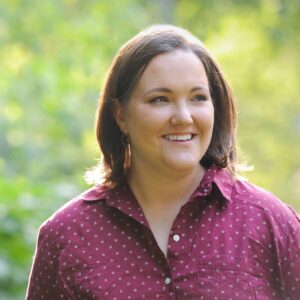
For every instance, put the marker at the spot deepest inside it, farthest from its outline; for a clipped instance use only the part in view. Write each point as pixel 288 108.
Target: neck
pixel 154 189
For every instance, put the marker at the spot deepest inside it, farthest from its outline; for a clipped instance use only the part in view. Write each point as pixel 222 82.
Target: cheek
pixel 139 125
pixel 211 116
pixel 212 122
pixel 143 118
pixel 205 121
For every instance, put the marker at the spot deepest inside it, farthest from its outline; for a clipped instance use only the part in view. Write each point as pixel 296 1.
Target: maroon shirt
pixel 231 240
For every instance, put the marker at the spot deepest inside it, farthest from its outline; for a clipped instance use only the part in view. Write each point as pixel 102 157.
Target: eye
pixel 200 98
pixel 159 99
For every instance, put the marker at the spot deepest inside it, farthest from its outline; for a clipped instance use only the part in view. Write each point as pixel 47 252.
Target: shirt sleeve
pixel 289 256
pixel 43 279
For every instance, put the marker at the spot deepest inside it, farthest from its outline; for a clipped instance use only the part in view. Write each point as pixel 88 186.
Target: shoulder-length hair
pixel 126 69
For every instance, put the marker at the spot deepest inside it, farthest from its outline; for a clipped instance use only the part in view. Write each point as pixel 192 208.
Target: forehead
pixel 178 67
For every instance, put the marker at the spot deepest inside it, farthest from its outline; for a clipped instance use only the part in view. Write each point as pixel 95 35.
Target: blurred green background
pixel 53 59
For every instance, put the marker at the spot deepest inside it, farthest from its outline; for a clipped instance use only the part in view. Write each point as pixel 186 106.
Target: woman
pixel 171 220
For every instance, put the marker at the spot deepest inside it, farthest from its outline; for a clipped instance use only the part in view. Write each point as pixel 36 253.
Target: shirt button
pixel 167 280
pixel 176 237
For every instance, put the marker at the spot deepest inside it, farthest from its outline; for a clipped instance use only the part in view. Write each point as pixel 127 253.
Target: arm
pixel 43 282
pixel 290 257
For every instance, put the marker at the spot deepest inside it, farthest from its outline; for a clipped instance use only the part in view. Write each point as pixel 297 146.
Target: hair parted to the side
pixel 127 67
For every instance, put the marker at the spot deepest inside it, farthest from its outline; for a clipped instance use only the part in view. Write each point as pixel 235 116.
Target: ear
pixel 119 116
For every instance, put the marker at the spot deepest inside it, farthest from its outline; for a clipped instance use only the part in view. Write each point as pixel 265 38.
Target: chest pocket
pixel 219 279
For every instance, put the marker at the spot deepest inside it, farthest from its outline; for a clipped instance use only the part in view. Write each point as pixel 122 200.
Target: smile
pixel 177 137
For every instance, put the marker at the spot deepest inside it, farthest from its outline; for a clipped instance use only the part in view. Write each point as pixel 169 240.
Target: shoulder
pixel 263 202
pixel 75 213
pixel 259 203
pixel 239 191
pixel 255 196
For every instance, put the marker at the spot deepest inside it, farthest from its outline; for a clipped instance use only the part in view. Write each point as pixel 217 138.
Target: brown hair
pixel 126 69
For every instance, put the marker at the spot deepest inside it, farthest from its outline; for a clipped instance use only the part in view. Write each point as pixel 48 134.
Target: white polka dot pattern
pixel 231 240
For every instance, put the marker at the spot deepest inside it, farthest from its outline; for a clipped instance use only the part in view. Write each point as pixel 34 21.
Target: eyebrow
pixel 200 88
pixel 166 90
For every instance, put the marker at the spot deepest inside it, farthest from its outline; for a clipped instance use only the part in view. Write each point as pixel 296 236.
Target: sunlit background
pixel 53 60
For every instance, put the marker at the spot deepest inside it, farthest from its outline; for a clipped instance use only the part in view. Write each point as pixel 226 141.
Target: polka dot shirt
pixel 231 240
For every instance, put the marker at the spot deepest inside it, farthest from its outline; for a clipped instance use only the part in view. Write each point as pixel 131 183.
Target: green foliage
pixel 54 57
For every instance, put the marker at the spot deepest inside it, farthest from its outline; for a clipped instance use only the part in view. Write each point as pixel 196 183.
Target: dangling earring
pixel 127 152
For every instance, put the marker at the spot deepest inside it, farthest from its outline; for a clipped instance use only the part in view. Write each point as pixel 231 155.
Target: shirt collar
pixel 95 193
pixel 120 197
pixel 213 177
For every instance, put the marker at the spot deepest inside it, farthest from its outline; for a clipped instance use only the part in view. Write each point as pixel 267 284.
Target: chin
pixel 183 166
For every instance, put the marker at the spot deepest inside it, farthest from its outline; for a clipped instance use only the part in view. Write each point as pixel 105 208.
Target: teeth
pixel 184 137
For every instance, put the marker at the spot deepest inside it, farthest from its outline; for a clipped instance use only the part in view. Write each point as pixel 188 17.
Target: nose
pixel 182 115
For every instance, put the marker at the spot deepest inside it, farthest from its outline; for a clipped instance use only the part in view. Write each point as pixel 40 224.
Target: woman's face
pixel 170 115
